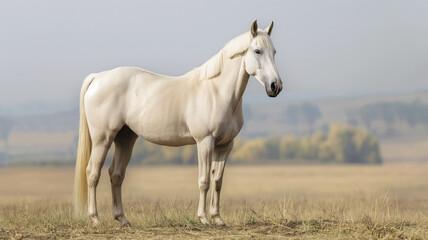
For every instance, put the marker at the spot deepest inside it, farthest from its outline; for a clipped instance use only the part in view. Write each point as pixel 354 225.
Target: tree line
pixel 341 144
pixel 412 113
pixel 306 113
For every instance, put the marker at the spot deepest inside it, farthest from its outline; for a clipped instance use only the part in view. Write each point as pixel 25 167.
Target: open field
pixel 271 202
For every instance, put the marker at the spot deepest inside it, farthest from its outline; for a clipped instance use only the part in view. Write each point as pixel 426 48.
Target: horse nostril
pixel 273 87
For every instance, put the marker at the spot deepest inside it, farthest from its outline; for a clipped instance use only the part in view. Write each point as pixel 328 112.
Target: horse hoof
pixel 219 222
pixel 126 224
pixel 123 221
pixel 204 220
pixel 95 221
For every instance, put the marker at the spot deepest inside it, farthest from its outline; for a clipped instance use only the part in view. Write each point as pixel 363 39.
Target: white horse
pixel 202 107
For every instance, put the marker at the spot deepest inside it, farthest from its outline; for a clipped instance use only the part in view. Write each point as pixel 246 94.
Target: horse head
pixel 260 59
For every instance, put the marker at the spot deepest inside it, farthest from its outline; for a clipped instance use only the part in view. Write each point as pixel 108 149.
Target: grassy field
pixel 268 202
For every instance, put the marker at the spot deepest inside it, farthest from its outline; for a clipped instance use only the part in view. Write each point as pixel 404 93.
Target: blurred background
pixel 355 75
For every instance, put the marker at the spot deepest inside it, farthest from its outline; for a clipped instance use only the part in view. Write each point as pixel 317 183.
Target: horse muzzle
pixel 274 88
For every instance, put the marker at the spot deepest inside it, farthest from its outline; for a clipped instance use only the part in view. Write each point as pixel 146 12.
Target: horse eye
pixel 257 51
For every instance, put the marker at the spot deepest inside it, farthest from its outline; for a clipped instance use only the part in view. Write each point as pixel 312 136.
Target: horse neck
pixel 232 81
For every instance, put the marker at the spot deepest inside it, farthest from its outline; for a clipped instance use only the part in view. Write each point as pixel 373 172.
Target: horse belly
pixel 169 139
pixel 166 133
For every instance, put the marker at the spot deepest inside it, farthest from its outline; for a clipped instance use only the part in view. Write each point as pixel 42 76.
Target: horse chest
pixel 228 129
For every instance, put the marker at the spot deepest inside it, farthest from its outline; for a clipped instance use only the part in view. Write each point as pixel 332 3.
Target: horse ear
pixel 254 28
pixel 269 28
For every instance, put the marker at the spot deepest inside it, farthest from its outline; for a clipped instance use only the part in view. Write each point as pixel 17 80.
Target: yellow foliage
pixel 189 154
pixel 342 144
pixel 250 151
pixel 288 147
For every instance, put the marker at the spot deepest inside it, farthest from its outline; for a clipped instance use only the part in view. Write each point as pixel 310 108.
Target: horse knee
pixel 116 177
pixel 204 184
pixel 217 184
pixel 93 177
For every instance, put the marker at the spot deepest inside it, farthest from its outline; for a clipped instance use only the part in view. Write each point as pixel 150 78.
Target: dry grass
pixel 297 202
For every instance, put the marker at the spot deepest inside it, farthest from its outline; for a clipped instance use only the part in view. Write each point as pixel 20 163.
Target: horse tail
pixel 83 153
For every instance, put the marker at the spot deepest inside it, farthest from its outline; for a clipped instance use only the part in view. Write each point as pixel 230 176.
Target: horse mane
pixel 235 47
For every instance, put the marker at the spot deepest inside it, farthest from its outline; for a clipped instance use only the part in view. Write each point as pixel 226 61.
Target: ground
pixel 259 202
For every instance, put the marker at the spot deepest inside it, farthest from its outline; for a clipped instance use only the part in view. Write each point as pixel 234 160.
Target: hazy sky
pixel 324 47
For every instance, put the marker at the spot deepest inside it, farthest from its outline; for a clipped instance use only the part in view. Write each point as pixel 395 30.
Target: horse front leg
pixel 205 150
pixel 221 153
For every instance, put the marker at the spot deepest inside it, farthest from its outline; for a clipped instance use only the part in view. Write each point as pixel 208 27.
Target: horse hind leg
pixel 124 143
pixel 100 147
